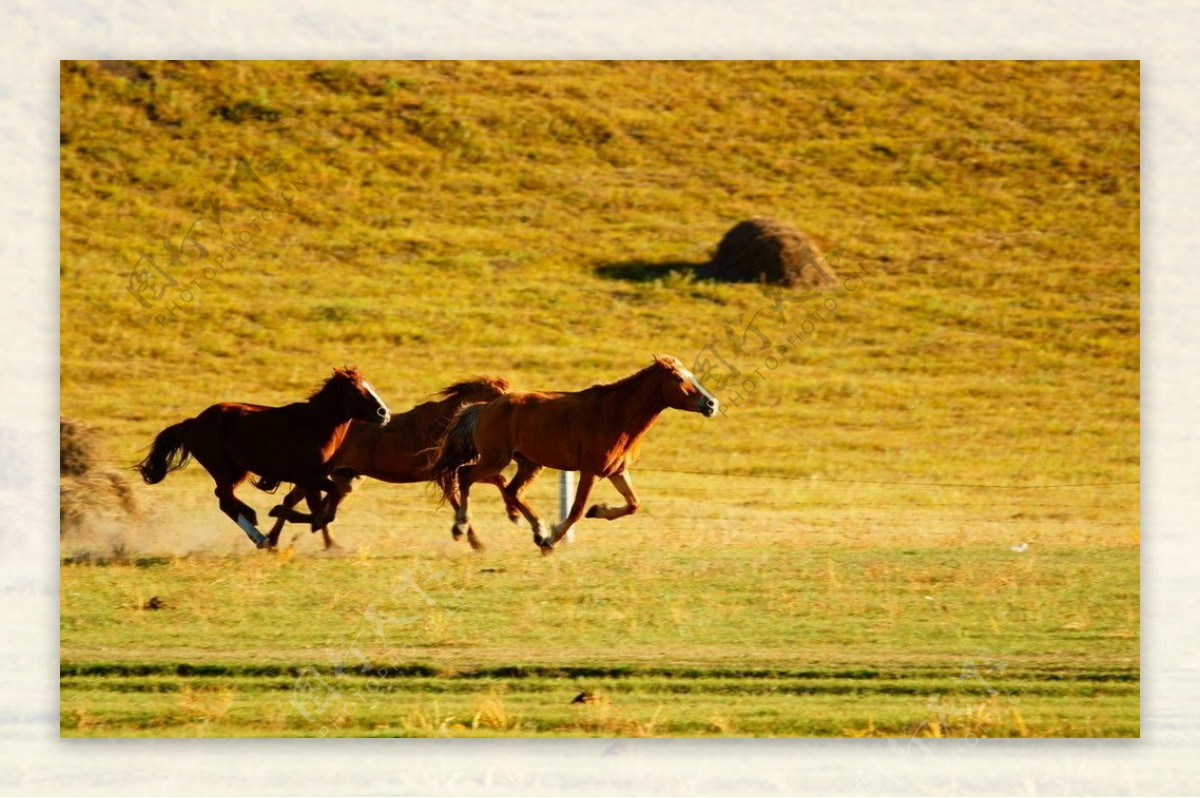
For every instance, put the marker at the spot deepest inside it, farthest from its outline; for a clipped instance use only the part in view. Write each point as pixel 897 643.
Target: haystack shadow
pixel 645 271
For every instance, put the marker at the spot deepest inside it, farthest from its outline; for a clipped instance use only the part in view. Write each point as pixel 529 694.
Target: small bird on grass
pixel 588 697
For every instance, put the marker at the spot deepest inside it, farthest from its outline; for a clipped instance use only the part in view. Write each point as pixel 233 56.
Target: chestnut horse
pixel 398 452
pixel 293 444
pixel 596 432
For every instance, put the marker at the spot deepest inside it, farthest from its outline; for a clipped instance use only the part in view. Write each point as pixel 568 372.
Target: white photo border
pixel 36 761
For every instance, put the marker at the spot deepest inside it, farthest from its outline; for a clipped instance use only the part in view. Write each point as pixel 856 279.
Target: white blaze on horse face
pixel 251 531
pixel 704 392
pixel 384 414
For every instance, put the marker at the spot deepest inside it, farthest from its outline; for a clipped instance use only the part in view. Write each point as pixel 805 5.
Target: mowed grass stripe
pixel 1019 686
pixel 433 709
pixel 527 674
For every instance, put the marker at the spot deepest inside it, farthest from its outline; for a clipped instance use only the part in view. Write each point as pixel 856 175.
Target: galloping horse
pixel 398 452
pixel 293 444
pixel 596 432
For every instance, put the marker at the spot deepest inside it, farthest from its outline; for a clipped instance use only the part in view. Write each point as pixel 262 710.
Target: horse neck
pixel 638 399
pixel 327 413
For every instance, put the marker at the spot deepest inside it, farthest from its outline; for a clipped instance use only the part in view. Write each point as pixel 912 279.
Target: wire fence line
pixel 820 480
pixel 817 480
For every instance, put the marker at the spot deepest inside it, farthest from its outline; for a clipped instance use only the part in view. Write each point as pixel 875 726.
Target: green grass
pixel 529 219
pixel 732 640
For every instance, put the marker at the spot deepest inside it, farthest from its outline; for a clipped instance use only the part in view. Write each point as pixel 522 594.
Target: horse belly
pixel 277 452
pixel 557 449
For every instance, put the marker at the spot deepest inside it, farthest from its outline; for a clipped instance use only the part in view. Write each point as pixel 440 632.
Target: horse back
pixel 401 451
pixel 554 429
pixel 278 442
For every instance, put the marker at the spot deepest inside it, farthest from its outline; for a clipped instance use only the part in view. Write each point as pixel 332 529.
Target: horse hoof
pixel 276 511
pixel 454 533
pixel 477 545
pixel 593 511
pixel 547 549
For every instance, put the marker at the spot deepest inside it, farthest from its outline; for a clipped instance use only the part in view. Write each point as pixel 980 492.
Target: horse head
pixel 682 391
pixel 357 398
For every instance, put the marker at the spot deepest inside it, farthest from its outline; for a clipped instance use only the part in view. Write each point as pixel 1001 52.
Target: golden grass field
pixel 922 521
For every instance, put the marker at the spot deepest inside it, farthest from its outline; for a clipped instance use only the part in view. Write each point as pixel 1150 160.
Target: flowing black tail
pixel 456 449
pixel 167 454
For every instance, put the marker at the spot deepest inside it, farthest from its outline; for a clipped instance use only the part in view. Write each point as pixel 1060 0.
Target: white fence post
pixel 566 495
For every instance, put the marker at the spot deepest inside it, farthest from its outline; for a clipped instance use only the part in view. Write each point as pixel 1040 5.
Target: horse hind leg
pixel 456 530
pixel 473 539
pixel 455 500
pixel 462 522
pixel 510 509
pixel 242 514
pixel 527 472
pixel 489 465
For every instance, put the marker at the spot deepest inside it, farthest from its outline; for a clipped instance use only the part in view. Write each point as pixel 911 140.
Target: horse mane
pixel 461 390
pixel 348 373
pixel 628 378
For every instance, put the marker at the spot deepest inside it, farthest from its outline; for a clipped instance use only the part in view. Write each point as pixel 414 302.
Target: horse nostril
pixel 382 412
pixel 712 403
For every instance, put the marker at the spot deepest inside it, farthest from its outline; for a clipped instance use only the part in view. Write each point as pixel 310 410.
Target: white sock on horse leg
pixel 251 531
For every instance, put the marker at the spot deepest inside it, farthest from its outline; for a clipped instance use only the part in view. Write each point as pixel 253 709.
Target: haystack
pixel 89 490
pixel 763 250
pixel 78 448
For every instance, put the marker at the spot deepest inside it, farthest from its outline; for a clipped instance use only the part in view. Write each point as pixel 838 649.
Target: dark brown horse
pixel 595 432
pixel 293 444
pixel 399 452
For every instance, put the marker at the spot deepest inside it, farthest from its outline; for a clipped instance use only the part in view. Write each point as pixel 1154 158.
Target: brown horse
pixel 293 444
pixel 595 432
pixel 398 452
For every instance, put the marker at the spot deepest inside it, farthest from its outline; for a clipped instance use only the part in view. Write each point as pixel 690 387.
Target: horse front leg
pixel 586 480
pixel 343 487
pixel 317 506
pixel 622 483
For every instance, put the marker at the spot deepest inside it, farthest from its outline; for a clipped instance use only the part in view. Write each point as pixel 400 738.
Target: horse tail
pixel 169 453
pixel 266 484
pixel 456 449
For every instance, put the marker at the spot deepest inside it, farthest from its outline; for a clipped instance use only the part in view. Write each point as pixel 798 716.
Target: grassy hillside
pixel 432 220
pixel 457 217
